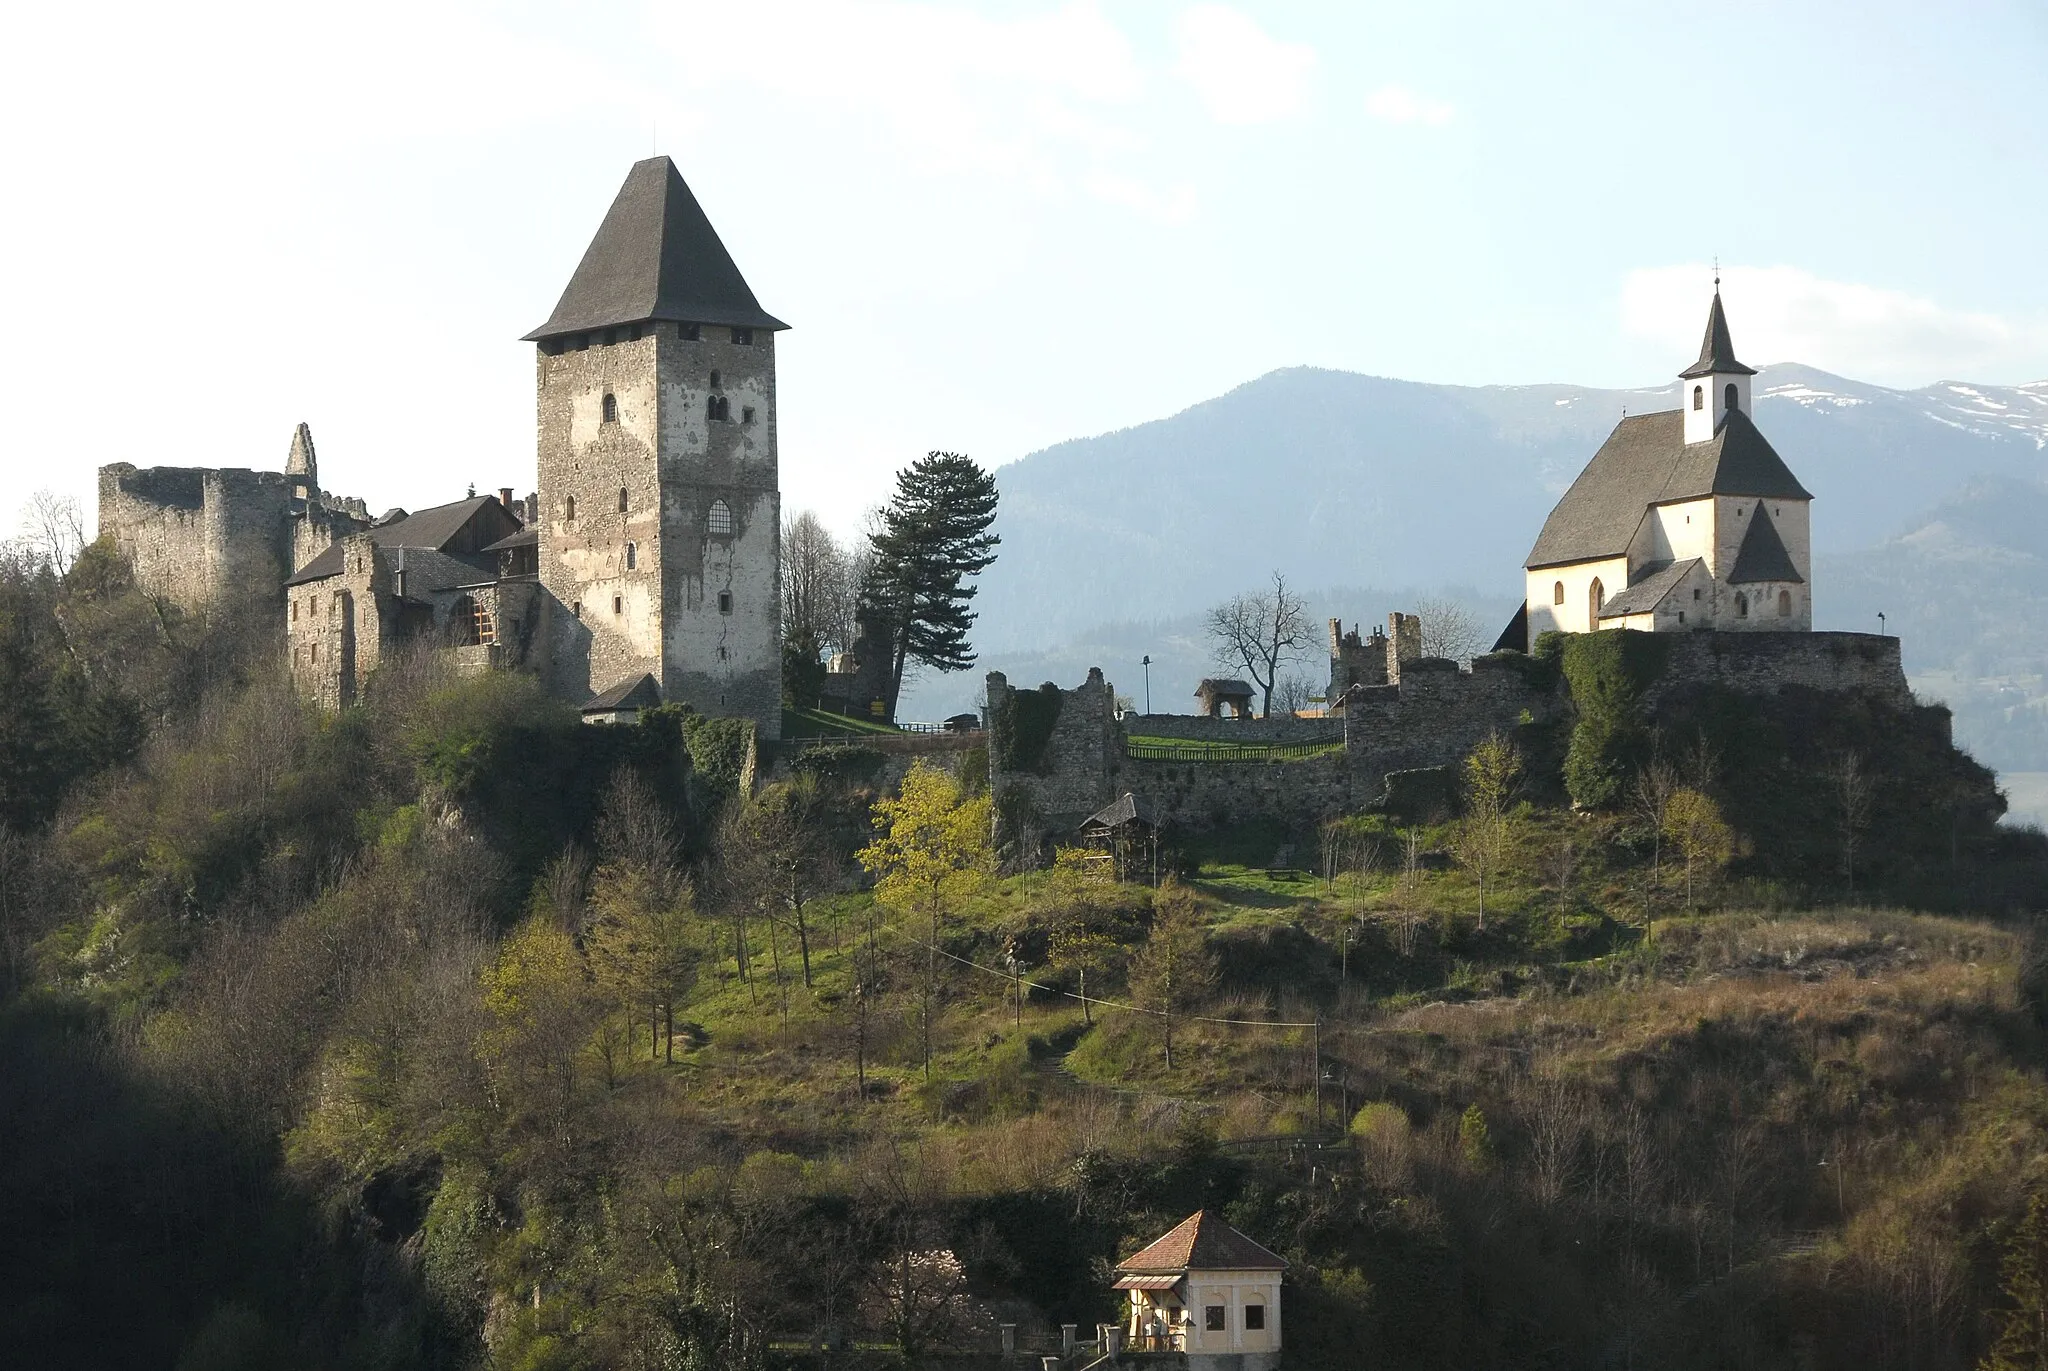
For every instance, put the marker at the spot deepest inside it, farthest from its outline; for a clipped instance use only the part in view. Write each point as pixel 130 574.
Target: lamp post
pixel 1880 623
pixel 1148 682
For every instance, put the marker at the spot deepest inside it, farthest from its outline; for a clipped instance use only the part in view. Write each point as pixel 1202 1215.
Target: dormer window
pixel 1731 394
pixel 718 522
pixel 1699 397
pixel 611 408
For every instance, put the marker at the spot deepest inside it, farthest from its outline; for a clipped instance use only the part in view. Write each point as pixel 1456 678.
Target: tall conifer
pixel 934 537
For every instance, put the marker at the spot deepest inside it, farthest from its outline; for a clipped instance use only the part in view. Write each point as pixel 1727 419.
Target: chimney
pixel 505 498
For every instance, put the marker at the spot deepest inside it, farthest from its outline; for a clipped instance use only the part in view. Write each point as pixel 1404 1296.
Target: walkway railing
pixel 1177 751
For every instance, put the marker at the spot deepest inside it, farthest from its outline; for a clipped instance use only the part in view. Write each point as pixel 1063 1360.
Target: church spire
pixel 1717 349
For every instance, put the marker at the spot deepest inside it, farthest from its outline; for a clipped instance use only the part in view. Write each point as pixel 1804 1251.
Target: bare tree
pixel 1291 695
pixel 817 592
pixel 1649 799
pixel 1448 628
pixel 1259 632
pixel 53 530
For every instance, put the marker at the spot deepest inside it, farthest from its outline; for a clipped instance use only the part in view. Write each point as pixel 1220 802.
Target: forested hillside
pixel 454 1033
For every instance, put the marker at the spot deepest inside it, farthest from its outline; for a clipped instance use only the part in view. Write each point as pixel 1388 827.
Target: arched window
pixel 1741 605
pixel 569 508
pixel 611 408
pixel 718 523
pixel 1596 596
pixel 717 407
pixel 1784 604
pixel 632 556
pixel 1699 397
pixel 1729 395
pixel 1557 593
pixel 622 499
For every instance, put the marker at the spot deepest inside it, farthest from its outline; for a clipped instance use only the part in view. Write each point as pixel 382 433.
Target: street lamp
pixel 1148 682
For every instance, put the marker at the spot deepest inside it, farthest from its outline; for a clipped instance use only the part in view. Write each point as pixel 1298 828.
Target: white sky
pixel 994 225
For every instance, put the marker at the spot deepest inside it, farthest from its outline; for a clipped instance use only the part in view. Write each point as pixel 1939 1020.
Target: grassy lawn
pixel 1203 749
pixel 816 723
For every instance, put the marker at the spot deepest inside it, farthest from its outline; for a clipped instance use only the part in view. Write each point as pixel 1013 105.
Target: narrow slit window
pixel 1557 593
pixel 1699 397
pixel 725 602
pixel 622 499
pixel 569 508
pixel 611 408
pixel 632 556
pixel 618 604
pixel 1784 604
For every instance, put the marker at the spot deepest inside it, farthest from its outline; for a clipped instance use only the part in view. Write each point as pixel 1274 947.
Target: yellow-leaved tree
pixel 1693 823
pixel 1493 773
pixel 932 849
pixel 542 1012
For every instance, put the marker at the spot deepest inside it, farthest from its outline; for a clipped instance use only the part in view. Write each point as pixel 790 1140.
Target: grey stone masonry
pixel 195 535
pixel 660 524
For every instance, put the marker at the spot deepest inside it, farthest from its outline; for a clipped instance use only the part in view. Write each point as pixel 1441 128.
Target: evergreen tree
pixel 934 536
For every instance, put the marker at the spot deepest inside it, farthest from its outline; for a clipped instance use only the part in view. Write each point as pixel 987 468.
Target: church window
pixel 611 408
pixel 618 604
pixel 743 336
pixel 1557 593
pixel 1730 396
pixel 632 556
pixel 725 602
pixel 1699 397
pixel 1596 596
pixel 1784 604
pixel 1741 605
pixel 689 333
pixel 569 508
pixel 717 407
pixel 622 499
pixel 718 522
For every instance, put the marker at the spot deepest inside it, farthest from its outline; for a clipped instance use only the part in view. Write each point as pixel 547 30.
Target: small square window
pixel 1695 593
pixel 1254 1317
pixel 1215 1318
pixel 689 333
pixel 743 336
pixel 725 602
pixel 746 414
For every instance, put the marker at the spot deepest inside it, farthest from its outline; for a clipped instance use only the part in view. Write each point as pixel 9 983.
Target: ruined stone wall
pixel 1196 796
pixel 198 536
pixel 1073 775
pixel 336 628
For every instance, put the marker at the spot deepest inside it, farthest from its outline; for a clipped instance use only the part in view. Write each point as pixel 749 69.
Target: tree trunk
pixel 668 1039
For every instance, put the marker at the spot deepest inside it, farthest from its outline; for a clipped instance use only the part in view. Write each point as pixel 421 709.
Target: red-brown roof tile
pixel 1202 1242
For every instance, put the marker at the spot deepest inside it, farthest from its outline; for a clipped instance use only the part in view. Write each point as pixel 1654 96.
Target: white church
pixel 1684 519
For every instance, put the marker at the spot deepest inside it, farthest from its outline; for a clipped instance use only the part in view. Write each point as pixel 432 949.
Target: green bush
pixel 1608 673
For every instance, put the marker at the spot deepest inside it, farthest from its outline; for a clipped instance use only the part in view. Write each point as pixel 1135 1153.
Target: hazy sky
pixel 992 226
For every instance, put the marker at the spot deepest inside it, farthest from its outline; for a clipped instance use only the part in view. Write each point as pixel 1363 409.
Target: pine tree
pixel 934 537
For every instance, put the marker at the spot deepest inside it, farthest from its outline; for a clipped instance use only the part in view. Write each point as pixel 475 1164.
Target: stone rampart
pixel 1766 663
pixel 1191 796
pixel 196 536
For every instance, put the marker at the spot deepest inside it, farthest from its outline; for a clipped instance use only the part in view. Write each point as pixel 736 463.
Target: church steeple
pixel 1717 382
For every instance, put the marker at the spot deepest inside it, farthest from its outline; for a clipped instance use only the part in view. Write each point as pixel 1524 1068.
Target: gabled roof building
pixel 1208 1292
pixel 1684 519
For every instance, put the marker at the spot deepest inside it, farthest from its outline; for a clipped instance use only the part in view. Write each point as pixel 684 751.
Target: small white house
pixel 1207 1291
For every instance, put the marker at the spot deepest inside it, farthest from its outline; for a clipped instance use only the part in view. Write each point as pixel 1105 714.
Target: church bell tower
pixel 1716 383
pixel 660 509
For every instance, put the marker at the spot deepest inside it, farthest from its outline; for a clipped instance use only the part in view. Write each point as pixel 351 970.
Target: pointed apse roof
pixel 1717 349
pixel 1762 556
pixel 1202 1242
pixel 655 256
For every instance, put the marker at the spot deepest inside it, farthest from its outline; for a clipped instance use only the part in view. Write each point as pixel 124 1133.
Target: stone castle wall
pixel 1433 716
pixel 196 536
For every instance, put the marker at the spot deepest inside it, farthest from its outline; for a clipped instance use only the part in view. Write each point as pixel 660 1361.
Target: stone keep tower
pixel 660 508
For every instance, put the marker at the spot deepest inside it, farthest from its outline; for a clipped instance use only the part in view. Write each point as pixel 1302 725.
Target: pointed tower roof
pixel 1202 1242
pixel 1717 350
pixel 1762 556
pixel 655 256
